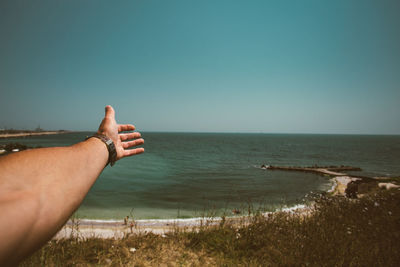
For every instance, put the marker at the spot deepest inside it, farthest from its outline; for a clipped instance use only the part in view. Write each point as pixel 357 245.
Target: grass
pixel 340 231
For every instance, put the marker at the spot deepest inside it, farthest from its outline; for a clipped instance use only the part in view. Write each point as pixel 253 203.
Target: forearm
pixel 41 188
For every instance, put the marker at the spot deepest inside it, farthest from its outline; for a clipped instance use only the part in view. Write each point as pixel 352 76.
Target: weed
pixel 339 231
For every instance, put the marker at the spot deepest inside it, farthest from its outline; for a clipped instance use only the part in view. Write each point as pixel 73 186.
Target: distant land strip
pixel 30 133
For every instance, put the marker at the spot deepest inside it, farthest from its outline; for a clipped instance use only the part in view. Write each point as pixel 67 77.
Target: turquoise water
pixel 194 174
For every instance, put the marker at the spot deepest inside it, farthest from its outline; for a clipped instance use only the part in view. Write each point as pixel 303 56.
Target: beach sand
pixel 340 184
pixel 84 228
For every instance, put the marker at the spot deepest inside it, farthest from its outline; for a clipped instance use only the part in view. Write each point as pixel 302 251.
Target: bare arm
pixel 41 188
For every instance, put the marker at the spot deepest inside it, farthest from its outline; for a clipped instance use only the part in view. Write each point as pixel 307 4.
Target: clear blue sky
pixel 220 66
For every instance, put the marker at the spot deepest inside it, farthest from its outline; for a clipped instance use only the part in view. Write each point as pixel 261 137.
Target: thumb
pixel 110 113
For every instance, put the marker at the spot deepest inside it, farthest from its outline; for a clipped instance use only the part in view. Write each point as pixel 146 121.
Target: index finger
pixel 125 127
pixel 131 152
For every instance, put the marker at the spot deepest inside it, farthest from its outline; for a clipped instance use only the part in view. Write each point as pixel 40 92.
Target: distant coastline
pixel 14 134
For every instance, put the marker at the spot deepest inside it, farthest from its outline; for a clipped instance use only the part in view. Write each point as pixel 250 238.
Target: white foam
pixel 155 222
pixel 294 208
pixel 99 221
pixel 334 185
pixel 184 221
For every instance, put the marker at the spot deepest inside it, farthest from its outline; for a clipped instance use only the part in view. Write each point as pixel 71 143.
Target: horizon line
pixel 222 132
pixel 287 133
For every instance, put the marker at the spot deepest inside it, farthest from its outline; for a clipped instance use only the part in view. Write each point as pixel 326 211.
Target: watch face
pixel 109 141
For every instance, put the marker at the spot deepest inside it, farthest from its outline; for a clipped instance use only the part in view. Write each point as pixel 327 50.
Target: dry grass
pixel 362 232
pixel 150 250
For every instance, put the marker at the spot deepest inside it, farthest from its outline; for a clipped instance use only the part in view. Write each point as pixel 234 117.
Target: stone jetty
pixel 352 186
pixel 328 170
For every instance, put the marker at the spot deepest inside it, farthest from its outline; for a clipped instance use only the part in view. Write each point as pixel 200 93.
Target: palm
pixel 121 134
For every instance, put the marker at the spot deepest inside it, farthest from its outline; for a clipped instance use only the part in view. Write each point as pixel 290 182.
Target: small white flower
pixel 132 250
pixel 376 204
pixel 349 232
pixel 163 235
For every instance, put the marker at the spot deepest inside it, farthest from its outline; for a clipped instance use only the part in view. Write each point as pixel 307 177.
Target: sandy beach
pixel 84 228
pixel 116 229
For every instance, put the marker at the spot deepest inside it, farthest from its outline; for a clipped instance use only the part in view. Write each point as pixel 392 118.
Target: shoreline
pixel 89 228
pixel 26 134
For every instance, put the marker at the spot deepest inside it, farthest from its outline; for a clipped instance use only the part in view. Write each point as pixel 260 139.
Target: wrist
pixel 96 148
pixel 109 143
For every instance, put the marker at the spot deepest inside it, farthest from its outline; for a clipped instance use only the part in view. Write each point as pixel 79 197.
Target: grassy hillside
pixel 340 231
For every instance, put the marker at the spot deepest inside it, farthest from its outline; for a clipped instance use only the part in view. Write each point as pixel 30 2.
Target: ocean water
pixel 183 175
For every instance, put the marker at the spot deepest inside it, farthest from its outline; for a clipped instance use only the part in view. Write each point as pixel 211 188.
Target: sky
pixel 202 66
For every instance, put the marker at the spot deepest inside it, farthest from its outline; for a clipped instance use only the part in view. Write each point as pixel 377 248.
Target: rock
pixel 351 189
pixel 388 186
pixel 264 167
pixel 14 147
pixel 342 183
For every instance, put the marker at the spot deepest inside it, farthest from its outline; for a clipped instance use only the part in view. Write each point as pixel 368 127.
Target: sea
pixel 189 175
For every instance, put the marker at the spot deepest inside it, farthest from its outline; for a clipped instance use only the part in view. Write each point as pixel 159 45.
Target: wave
pixel 294 208
pixel 176 221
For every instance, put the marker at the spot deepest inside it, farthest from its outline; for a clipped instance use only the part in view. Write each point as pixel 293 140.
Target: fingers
pixel 133 143
pixel 129 136
pixel 125 127
pixel 110 113
pixel 132 152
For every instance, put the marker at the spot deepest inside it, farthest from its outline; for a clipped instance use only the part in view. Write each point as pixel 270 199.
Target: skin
pixel 41 188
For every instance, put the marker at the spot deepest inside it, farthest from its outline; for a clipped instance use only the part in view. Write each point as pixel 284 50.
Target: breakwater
pixel 351 186
pixel 328 170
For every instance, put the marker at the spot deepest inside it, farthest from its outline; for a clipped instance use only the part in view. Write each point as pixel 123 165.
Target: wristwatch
pixel 112 152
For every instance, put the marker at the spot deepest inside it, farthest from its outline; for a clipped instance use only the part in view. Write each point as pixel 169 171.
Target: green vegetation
pixel 340 232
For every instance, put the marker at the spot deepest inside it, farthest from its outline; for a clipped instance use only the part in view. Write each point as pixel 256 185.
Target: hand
pixel 122 141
